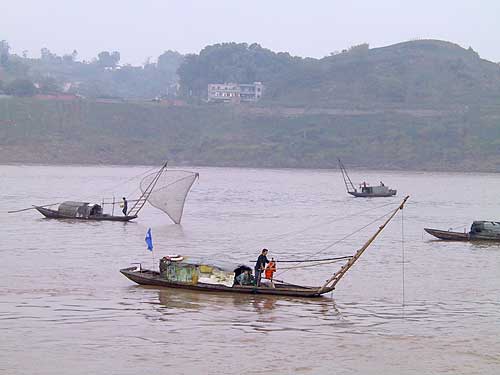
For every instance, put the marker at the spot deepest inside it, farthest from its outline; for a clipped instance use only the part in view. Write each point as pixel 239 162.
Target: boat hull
pixel 152 278
pixel 357 194
pixel 448 235
pixel 53 214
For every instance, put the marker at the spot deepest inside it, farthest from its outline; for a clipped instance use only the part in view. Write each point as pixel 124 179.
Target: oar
pixel 31 208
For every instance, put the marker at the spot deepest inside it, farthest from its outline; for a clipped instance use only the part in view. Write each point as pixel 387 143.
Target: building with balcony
pixel 235 92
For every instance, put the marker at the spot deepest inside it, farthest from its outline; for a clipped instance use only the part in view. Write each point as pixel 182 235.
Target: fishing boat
pixel 365 190
pixel 164 189
pixel 81 211
pixel 479 231
pixel 178 272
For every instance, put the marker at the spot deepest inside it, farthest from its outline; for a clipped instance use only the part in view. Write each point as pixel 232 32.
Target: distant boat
pixel 479 231
pixel 181 273
pixel 163 189
pixel 365 191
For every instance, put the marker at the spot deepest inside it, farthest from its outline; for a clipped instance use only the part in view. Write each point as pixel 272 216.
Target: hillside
pixel 81 131
pixel 422 105
pixel 423 73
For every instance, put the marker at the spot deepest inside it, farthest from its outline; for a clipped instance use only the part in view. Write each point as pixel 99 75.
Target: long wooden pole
pixel 143 198
pixel 338 275
pixel 344 175
pixel 31 208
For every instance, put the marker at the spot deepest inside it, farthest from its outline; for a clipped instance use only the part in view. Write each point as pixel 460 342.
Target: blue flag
pixel 149 240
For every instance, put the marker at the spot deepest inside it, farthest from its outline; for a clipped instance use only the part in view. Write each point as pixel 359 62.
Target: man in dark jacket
pixel 260 265
pixel 125 206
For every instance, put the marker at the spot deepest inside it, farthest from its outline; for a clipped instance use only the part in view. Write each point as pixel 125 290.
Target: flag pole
pixel 153 256
pixel 149 242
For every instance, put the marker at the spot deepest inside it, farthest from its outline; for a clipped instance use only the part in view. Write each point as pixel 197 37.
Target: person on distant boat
pixel 260 266
pixel 125 206
pixel 381 183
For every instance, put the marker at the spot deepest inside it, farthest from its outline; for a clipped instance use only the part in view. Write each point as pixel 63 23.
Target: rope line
pixel 293 233
pixel 313 260
pixel 347 236
pixel 312 265
pixel 403 255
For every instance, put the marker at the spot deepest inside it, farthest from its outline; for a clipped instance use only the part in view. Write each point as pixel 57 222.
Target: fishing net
pixel 170 191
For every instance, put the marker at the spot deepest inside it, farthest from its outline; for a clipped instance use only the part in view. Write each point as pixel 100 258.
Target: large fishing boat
pixel 164 189
pixel 182 273
pixel 365 190
pixel 479 231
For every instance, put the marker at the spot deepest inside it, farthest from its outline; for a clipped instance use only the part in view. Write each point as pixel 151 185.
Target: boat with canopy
pixel 479 231
pixel 365 190
pixel 165 189
pixel 184 273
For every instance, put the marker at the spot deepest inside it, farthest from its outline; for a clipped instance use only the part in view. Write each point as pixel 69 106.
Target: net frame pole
pixel 338 275
pixel 346 177
pixel 139 204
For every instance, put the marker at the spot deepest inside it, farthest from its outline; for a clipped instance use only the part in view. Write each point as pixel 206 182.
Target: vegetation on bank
pixel 103 76
pixel 82 131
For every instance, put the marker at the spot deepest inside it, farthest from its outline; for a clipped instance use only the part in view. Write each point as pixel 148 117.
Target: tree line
pixel 102 76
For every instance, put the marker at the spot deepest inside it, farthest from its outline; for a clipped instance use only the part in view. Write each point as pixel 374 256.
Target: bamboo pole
pixel 338 275
pixel 31 208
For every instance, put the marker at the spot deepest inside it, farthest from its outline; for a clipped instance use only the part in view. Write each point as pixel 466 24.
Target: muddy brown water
pixel 65 308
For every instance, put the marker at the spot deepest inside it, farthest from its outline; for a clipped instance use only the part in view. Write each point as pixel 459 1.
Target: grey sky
pixel 142 28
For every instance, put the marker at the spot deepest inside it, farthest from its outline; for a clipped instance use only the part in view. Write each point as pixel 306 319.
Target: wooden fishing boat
pixel 479 231
pixel 179 273
pixel 81 211
pixel 448 235
pixel 365 191
pixel 163 189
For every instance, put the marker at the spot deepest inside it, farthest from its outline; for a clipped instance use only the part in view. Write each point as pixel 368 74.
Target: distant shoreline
pixel 191 166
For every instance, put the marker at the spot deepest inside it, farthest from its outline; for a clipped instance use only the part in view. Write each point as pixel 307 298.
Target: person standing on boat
pixel 125 206
pixel 270 270
pixel 260 266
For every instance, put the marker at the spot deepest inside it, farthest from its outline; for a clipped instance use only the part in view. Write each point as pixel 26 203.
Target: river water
pixel 65 308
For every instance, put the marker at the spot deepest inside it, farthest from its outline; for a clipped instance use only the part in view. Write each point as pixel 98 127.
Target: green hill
pixel 423 73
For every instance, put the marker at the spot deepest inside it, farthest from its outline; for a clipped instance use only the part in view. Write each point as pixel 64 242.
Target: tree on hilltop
pixel 108 60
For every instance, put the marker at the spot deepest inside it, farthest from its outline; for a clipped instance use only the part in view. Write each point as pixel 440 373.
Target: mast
pixel 139 203
pixel 345 176
pixel 338 275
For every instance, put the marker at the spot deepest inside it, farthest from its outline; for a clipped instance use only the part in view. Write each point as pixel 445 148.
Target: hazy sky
pixel 142 28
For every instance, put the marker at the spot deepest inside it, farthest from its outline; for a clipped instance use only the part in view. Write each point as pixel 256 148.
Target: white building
pixel 235 92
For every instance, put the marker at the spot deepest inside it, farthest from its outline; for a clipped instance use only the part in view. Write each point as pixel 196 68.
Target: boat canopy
pixel 485 226
pixel 192 271
pixel 79 209
pixel 375 189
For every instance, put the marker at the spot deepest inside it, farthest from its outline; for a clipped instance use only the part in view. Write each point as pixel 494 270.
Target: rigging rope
pixel 294 233
pixel 313 265
pixel 403 255
pixel 133 178
pixel 313 260
pixel 345 237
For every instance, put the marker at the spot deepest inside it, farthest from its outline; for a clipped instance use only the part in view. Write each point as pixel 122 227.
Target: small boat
pixel 479 231
pixel 164 189
pixel 81 211
pixel 365 191
pixel 180 272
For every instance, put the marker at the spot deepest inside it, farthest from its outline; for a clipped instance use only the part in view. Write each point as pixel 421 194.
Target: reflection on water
pixel 64 305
